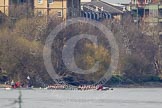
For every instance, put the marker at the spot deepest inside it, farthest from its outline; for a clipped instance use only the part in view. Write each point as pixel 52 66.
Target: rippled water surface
pixel 118 98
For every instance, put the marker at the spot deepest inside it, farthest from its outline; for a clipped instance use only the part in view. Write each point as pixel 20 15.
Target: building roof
pixel 112 1
pixel 86 0
pixel 118 1
pixel 106 6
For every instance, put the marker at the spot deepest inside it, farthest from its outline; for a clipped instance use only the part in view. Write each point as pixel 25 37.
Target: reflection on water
pixel 119 98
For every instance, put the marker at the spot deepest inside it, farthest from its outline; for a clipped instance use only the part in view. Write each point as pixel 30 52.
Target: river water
pixel 118 98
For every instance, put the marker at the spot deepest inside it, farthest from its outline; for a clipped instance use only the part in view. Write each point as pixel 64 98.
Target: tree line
pixel 22 42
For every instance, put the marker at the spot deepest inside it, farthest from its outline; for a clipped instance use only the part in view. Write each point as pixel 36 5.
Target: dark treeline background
pixel 22 41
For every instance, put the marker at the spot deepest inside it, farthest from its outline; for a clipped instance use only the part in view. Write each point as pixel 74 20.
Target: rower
pixel 12 84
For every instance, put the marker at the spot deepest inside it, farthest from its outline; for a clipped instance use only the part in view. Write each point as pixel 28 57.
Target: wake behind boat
pixel 81 87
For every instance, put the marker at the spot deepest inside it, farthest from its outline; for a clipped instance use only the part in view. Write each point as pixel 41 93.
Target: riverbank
pixel 4 86
pixel 142 85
